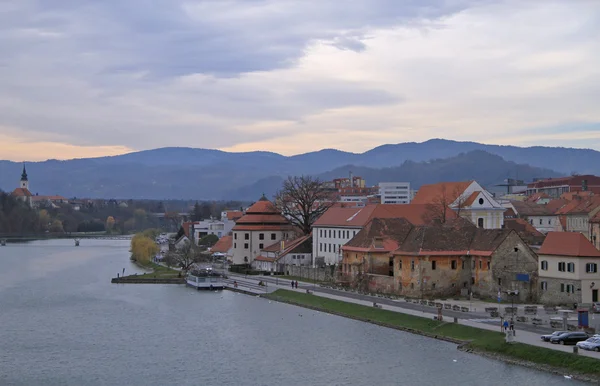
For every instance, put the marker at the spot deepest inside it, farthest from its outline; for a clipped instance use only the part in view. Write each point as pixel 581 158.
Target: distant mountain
pixel 188 173
pixel 488 169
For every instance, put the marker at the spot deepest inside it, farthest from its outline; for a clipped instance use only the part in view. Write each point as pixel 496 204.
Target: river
pixel 63 323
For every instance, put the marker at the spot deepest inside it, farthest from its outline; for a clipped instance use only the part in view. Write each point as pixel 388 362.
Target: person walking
pixel 296 284
pixel 505 325
pixel 292 284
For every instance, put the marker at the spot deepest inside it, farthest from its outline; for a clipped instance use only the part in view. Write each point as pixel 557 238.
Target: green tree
pixel 196 214
pixel 208 241
pixel 56 226
pixel 45 219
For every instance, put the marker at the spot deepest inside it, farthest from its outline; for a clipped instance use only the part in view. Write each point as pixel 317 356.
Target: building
pixel 578 214
pixel 260 226
pixel 467 199
pixel 554 187
pixel 223 247
pixel 231 215
pixel 278 256
pixel 199 229
pixel 595 230
pixel 568 269
pixel 22 192
pixel 394 192
pixel 525 230
pixel 455 258
pixel 448 260
pixel 543 217
pixel 338 225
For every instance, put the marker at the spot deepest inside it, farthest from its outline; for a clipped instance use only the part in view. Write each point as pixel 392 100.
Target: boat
pixel 205 278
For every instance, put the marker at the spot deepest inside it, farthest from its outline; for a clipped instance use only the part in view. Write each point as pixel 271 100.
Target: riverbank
pixel 485 342
pixel 158 274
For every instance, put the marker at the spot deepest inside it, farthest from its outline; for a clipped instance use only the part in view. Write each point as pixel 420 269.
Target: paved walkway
pixel 491 324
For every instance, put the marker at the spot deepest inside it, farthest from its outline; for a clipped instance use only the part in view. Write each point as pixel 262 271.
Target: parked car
pixel 592 344
pixel 596 308
pixel 546 338
pixel 569 338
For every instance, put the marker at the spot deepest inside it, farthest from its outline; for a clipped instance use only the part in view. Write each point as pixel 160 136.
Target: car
pixel 592 344
pixel 569 338
pixel 546 338
pixel 595 308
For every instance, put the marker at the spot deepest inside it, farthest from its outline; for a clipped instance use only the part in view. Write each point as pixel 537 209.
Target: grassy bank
pixel 478 339
pixel 158 272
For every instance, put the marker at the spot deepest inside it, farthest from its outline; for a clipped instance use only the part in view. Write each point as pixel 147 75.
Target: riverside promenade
pixel 527 334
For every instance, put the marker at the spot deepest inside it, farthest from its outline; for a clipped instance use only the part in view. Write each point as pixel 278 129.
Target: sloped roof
pixel 262 206
pixel 568 244
pixel 429 194
pixel 234 214
pixel 527 208
pixel 596 218
pixel 22 192
pixel 580 206
pixel 302 244
pixel 570 196
pixel 525 230
pixel 471 199
pixel 380 235
pixel 452 241
pixel 223 245
pixel 536 197
pixel 359 217
pixel 262 215
pixel 264 258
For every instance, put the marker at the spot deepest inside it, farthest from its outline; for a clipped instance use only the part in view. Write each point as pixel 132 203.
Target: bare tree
pixel 437 211
pixel 185 257
pixel 303 200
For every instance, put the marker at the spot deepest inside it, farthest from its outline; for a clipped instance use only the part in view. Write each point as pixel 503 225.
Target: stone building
pixel 568 269
pixel 260 226
pixel 393 256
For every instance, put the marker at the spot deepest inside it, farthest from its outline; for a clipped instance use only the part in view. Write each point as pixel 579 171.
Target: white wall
pixel 251 247
pixel 395 192
pixel 327 242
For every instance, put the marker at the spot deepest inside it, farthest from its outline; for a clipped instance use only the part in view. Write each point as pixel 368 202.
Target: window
pixel 462 265
pixel 571 267
pixel 562 267
pixel 591 268
pixel 329 247
pixel 472 280
pixel 339 234
pixel 399 264
pixel 544 265
pixel 562 287
pixel 354 233
pixel 330 233
pixel 347 234
pixel 550 222
pixel 499 281
pixel 235 236
pixel 391 267
pixel 480 222
pixel 433 265
pixel 412 265
pixel 245 245
pixel 261 236
pixel 320 232
pixel 261 246
pixel 273 236
pixel 453 264
pixel 570 288
pixel 235 245
pixel 481 201
pixel 320 247
pixel 480 264
pixel 246 236
pixel 432 285
pixel 544 286
pixel 412 285
pixel 540 221
pixel 489 264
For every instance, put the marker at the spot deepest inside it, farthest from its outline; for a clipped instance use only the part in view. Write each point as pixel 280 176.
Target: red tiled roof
pixel 596 218
pixel 536 197
pixel 359 217
pixel 429 194
pixel 570 196
pixel 380 235
pixel 223 245
pixel 471 199
pixel 568 244
pixel 186 227
pixel 275 247
pixel 22 192
pixel 234 214
pixel 262 215
pixel 298 242
pixel 262 206
pixel 580 206
pixel 527 208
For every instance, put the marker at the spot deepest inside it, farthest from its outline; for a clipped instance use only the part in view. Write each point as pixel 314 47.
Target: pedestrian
pixel 512 325
pixel 505 325
pixel 296 284
pixel 292 284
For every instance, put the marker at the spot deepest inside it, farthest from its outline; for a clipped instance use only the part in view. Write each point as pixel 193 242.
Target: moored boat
pixel 205 278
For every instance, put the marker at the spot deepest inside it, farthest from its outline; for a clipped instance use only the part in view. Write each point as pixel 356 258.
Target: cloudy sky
pixel 85 78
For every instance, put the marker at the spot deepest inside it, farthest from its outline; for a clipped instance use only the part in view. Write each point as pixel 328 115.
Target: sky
pixel 86 78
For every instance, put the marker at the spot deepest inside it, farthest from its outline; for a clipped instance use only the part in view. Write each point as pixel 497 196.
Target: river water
pixel 63 323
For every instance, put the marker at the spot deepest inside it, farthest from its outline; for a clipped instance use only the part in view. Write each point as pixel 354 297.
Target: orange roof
pixel 223 245
pixel 275 247
pixel 536 197
pixel 234 214
pixel 568 244
pixel 262 215
pixel 471 199
pixel 428 194
pixel 569 196
pixel 580 206
pixel 262 206
pixel 359 217
pixel 22 192
pixel 259 227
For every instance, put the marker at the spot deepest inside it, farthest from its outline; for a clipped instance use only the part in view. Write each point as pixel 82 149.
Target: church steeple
pixel 24 180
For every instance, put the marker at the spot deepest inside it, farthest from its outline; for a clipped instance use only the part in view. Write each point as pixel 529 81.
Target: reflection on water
pixel 63 323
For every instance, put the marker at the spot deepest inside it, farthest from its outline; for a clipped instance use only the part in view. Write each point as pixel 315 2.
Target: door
pixel 594 295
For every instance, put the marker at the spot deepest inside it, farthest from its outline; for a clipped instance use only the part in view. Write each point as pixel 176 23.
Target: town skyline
pixel 104 78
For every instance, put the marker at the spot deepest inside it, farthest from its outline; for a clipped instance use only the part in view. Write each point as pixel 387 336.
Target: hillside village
pixel 537 242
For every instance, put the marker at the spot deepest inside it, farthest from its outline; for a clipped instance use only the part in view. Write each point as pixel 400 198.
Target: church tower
pixel 24 180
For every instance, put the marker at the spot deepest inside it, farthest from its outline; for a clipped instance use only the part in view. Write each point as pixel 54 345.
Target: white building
pixel 568 269
pixel 395 192
pixel 468 199
pixel 262 225
pixel 203 228
pixel 276 257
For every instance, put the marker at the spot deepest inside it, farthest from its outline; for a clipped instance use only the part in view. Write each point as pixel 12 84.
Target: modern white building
pixel 395 192
pixel 218 228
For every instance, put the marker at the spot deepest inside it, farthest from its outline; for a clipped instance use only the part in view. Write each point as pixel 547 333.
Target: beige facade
pixel 595 233
pixel 247 244
pixel 568 279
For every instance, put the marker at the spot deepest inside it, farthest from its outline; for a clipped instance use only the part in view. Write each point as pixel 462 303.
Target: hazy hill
pixel 211 174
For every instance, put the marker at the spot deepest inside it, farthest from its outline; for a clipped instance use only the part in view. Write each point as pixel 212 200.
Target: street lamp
pixel 512 294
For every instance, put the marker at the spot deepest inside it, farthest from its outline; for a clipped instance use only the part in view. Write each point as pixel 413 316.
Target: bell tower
pixel 24 181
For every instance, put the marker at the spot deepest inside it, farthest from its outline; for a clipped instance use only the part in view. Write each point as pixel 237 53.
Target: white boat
pixel 205 278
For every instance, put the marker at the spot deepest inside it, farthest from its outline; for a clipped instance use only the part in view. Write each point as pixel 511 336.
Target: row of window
pixel 570 267
pixel 247 246
pixel 261 236
pixel 453 264
pixel 325 247
pixel 340 233
pixel 568 288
